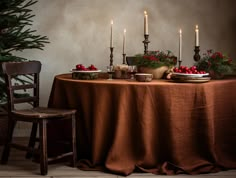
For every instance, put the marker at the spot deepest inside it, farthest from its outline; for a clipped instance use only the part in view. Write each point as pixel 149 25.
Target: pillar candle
pixel 124 38
pixel 196 36
pixel 145 23
pixel 180 45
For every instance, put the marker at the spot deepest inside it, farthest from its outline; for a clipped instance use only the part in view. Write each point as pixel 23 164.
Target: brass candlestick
pixel 145 42
pixel 111 56
pixel 124 58
pixel 197 56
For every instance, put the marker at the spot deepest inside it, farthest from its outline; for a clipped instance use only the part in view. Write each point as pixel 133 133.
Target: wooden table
pixel 160 126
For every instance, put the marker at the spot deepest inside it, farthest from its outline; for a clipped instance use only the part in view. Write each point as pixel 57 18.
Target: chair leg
pixel 74 155
pixel 43 147
pixel 32 139
pixel 6 150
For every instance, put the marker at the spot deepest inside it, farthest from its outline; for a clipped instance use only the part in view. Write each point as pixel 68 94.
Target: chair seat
pixel 41 112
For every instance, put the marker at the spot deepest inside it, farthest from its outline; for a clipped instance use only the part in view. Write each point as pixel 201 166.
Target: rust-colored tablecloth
pixel 160 126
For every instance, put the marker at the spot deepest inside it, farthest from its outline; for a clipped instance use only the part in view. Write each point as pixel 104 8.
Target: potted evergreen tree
pixel 15 35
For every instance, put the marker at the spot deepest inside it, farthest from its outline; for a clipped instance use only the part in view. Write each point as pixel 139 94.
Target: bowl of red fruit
pixel 192 71
pixel 85 73
pixel 189 74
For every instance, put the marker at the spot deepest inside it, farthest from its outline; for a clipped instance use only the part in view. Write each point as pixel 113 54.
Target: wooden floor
pixel 19 167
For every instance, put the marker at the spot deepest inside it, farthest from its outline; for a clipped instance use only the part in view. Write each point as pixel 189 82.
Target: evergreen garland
pixel 155 59
pixel 215 62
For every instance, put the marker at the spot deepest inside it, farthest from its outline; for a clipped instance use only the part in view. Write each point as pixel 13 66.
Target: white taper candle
pixel 180 45
pixel 124 39
pixel 111 39
pixel 145 23
pixel 196 36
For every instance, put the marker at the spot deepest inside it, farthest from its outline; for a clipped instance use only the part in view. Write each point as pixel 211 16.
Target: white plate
pixel 190 75
pixel 85 71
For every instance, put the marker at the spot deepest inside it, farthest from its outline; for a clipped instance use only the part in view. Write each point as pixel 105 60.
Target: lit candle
pixel 111 40
pixel 196 36
pixel 124 36
pixel 180 45
pixel 145 23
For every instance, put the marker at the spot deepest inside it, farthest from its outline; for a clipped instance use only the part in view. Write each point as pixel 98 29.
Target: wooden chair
pixel 38 116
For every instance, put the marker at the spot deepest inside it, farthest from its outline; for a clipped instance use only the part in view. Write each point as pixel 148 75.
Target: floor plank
pixel 19 167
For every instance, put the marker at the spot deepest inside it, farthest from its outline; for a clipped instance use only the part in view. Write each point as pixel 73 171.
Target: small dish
pixel 143 77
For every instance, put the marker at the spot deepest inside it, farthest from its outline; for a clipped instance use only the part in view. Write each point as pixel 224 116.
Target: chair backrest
pixel 22 76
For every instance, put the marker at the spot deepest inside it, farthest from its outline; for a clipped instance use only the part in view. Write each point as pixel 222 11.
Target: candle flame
pixel 111 22
pixel 124 30
pixel 180 31
pixel 196 26
pixel 145 12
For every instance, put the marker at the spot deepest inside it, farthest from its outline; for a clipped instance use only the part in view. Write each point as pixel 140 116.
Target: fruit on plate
pixel 82 67
pixel 85 73
pixel 188 70
pixel 92 67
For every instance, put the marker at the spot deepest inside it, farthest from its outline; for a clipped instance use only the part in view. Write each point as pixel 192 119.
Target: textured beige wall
pixel 79 30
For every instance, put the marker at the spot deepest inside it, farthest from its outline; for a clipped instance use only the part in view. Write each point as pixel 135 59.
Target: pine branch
pixel 16 34
pixel 15 6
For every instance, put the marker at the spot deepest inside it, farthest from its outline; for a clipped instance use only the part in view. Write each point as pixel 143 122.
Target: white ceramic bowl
pixel 143 77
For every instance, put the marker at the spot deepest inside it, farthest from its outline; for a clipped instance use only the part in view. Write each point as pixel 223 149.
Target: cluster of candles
pixel 146 33
pixel 111 38
pixel 180 41
pixel 124 34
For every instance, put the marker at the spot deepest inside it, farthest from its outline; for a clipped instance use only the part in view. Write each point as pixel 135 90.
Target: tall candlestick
pixel 196 36
pixel 180 45
pixel 124 36
pixel 145 23
pixel 111 40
